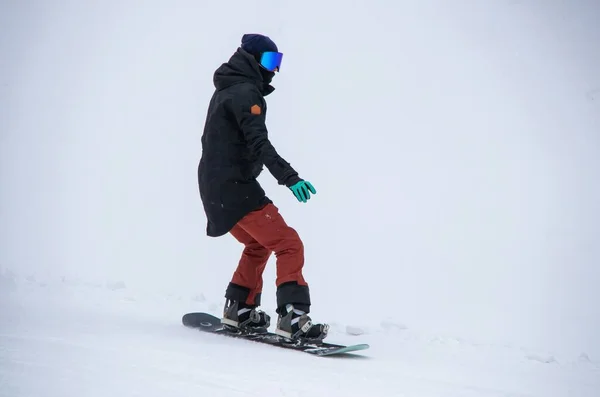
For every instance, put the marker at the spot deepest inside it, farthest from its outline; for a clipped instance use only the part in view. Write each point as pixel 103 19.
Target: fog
pixel 454 146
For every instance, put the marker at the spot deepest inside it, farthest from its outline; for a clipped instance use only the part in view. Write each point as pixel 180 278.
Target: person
pixel 235 147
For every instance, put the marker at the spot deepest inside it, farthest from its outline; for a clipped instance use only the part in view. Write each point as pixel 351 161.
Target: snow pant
pixel 263 232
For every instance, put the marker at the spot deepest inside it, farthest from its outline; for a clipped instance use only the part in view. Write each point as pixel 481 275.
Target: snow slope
pixel 66 338
pixel 456 154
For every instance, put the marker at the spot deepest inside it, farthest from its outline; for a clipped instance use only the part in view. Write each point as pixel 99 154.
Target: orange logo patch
pixel 255 109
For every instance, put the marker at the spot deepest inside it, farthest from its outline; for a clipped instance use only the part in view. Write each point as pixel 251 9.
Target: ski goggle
pixel 271 60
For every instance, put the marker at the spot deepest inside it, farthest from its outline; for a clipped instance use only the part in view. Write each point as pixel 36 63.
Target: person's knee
pixel 257 252
pixel 291 242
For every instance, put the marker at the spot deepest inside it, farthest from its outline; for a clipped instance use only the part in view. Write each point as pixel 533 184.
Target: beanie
pixel 256 44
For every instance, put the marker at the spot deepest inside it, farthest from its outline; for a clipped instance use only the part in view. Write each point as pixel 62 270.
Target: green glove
pixel 302 190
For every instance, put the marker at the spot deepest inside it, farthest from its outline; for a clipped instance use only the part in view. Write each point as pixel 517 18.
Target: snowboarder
pixel 235 146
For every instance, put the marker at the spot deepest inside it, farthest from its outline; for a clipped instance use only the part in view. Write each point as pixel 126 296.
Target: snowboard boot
pixel 240 316
pixel 295 324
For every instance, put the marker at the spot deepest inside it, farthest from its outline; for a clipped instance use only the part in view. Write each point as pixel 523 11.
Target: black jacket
pixel 235 146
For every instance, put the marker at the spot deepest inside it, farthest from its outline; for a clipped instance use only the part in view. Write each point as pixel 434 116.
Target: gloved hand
pixel 302 190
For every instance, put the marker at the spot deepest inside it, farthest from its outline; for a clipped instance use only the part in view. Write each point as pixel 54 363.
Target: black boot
pixel 239 315
pixel 296 324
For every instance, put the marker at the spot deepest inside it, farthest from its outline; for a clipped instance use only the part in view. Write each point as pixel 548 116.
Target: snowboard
pixel 208 323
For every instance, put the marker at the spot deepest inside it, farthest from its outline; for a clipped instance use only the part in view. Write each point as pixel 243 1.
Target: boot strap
pixel 254 317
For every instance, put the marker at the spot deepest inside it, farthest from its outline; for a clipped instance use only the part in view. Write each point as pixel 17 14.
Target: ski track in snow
pixel 68 338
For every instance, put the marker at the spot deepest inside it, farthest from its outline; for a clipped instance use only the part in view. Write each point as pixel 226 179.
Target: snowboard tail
pixel 208 323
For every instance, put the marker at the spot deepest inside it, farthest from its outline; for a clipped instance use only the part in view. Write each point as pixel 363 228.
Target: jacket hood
pixel 241 68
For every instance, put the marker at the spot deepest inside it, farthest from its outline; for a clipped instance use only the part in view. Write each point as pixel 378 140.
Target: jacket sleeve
pixel 249 110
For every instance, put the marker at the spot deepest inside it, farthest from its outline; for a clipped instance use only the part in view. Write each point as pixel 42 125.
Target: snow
pixel 454 147
pixel 70 338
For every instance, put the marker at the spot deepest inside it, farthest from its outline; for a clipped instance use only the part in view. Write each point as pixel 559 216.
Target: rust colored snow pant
pixel 263 232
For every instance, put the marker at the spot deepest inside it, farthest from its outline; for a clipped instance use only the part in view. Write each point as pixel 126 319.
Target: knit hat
pixel 256 44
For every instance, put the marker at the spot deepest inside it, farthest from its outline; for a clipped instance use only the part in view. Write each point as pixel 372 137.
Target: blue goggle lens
pixel 271 61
